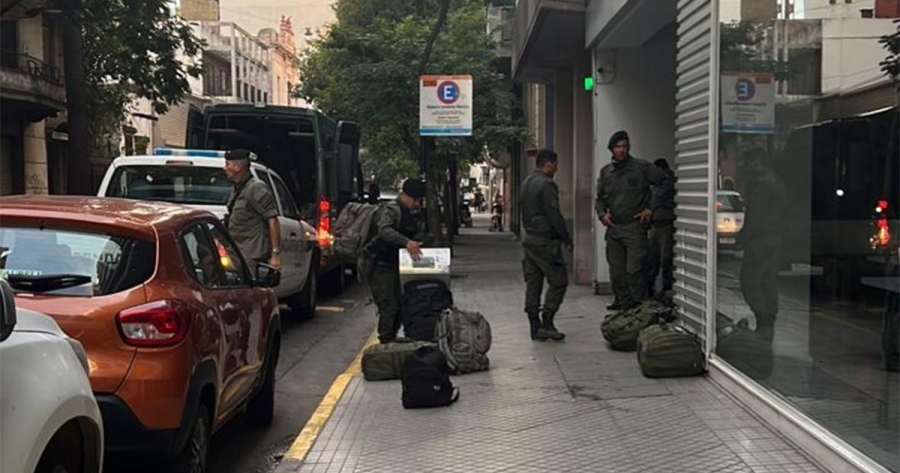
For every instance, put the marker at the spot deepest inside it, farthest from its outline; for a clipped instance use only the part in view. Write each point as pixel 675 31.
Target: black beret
pixel 414 188
pixel 237 154
pixel 615 138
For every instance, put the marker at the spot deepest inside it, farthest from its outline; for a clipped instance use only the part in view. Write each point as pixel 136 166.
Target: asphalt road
pixel 313 354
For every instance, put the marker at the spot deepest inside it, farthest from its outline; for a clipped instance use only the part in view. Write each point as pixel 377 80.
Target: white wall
pixel 814 9
pixel 641 100
pixel 851 52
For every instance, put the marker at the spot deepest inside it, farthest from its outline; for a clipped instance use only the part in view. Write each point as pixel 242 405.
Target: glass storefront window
pixel 807 212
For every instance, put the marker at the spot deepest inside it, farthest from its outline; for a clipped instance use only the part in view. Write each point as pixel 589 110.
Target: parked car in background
pixel 50 419
pixel 729 219
pixel 180 335
pixel 197 178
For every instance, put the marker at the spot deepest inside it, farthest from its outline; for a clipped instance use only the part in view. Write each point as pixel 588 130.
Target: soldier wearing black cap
pixel 625 206
pixel 394 227
pixel 252 212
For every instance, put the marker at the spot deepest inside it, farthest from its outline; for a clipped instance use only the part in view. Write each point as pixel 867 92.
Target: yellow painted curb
pixel 307 437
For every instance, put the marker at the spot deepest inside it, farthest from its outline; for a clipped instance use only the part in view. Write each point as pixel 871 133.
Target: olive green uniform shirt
pixel 541 217
pixel 251 206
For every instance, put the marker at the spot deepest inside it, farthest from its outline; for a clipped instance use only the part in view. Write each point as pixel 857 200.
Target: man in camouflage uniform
pixel 625 208
pixel 545 235
pixel 394 227
pixel 252 213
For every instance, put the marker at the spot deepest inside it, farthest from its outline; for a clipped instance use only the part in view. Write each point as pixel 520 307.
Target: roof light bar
pixel 196 153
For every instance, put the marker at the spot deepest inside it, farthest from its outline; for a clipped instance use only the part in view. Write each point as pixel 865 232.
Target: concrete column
pixel 563 133
pixel 31 39
pixel 583 176
pixel 35 151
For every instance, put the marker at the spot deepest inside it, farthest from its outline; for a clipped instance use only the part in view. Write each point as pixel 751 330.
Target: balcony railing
pixel 31 66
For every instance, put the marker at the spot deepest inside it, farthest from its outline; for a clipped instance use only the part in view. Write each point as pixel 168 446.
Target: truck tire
pixel 334 282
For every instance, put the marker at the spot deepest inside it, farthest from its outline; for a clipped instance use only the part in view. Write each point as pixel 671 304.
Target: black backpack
pixel 421 305
pixel 426 380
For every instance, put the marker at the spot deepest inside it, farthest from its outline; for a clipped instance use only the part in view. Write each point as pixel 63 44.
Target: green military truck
pixel 317 156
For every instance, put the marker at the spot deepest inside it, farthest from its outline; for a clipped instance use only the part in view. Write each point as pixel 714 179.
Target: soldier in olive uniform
pixel 394 227
pixel 545 236
pixel 761 237
pixel 252 212
pixel 625 208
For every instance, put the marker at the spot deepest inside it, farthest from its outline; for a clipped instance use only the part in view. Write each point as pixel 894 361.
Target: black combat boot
pixel 534 320
pixel 548 331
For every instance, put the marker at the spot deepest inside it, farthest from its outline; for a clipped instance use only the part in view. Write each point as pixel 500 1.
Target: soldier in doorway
pixel 545 236
pixel 625 207
pixel 662 236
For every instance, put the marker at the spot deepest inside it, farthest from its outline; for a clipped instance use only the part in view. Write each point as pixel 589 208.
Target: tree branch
pixel 435 32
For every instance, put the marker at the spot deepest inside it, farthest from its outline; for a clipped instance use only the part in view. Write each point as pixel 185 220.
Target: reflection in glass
pixel 808 159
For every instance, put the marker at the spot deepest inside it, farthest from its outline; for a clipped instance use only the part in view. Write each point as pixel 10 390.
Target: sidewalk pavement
pixel 543 406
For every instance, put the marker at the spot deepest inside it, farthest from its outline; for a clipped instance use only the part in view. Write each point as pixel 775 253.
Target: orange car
pixel 179 333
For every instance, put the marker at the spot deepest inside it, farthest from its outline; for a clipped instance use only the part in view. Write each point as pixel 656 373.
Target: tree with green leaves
pixel 116 51
pixel 367 68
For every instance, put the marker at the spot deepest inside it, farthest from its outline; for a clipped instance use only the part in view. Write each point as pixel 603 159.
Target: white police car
pixel 197 178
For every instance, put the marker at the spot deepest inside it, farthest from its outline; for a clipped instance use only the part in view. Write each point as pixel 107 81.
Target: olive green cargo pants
pixel 626 253
pixel 544 261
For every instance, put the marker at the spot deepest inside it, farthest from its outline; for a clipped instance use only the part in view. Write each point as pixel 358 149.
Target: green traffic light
pixel 589 83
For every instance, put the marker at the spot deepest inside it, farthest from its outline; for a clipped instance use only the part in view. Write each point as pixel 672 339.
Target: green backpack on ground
pixel 621 329
pixel 385 361
pixel 667 350
pixel 465 338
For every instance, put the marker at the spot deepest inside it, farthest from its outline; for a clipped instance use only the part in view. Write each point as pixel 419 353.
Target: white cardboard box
pixel 434 264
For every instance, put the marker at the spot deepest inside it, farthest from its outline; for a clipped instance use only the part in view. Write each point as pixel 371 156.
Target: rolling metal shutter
pixel 695 249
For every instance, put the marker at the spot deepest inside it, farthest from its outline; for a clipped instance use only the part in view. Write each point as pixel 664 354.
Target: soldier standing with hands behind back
pixel 545 235
pixel 625 208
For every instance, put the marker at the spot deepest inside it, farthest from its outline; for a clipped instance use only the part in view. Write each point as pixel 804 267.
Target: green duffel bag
pixel 621 329
pixel 667 350
pixel 384 361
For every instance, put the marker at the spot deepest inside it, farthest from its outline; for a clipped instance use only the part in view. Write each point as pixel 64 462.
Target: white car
pixel 729 218
pixel 197 178
pixel 50 419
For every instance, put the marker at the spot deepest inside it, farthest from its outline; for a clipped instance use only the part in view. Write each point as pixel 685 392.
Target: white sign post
pixel 445 105
pixel 748 102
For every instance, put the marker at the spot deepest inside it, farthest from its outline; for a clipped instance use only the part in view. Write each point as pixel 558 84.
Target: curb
pixel 293 458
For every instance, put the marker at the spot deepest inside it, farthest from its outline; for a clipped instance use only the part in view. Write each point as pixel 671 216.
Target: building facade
pixel 32 95
pixel 783 133
pixel 283 68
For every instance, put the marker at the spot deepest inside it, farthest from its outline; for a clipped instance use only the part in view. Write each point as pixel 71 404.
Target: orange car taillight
pixel 323 229
pixel 155 324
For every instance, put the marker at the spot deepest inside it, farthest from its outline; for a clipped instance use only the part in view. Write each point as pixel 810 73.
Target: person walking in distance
pixel 761 237
pixel 394 227
pixel 662 235
pixel 545 236
pixel 625 208
pixel 252 218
